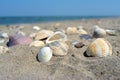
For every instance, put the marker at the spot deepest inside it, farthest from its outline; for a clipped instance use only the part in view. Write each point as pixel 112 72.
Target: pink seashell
pixel 18 39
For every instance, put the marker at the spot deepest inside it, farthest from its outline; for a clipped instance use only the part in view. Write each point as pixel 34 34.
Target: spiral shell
pixel 98 32
pixel 59 48
pixel 45 54
pixel 57 36
pixel 100 48
pixel 43 34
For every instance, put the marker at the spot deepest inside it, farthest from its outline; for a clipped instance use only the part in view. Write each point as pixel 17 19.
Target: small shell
pixel 72 30
pixel 79 45
pixel 21 33
pixel 2 41
pixel 37 28
pixel 81 30
pixel 4 35
pixel 45 54
pixel 100 47
pixel 37 44
pixel 111 32
pixel 99 32
pixel 3 49
pixel 43 34
pixel 57 36
pixel 59 48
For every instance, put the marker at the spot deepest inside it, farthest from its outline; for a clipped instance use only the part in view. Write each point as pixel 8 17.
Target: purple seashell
pixel 18 39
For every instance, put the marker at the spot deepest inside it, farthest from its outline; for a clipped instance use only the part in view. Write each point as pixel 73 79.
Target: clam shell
pixel 100 47
pixel 37 44
pixel 59 48
pixel 18 39
pixel 43 34
pixel 57 36
pixel 99 32
pixel 37 28
pixel 72 30
pixel 3 49
pixel 45 54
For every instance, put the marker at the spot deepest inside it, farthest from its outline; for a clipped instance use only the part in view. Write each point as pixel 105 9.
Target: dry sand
pixel 20 62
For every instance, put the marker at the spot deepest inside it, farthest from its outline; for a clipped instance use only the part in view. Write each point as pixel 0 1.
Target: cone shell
pixel 45 54
pixel 100 47
pixel 37 44
pixel 59 48
pixel 57 36
pixel 43 34
pixel 3 49
pixel 99 32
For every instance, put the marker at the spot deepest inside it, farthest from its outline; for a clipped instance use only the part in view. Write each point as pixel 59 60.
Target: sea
pixel 39 19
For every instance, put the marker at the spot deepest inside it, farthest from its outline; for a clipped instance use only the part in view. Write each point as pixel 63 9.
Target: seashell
pixel 111 32
pixel 81 30
pixel 45 54
pixel 57 36
pixel 100 48
pixel 99 32
pixel 59 48
pixel 43 34
pixel 3 49
pixel 37 44
pixel 37 28
pixel 72 30
pixel 18 39
pixel 21 33
pixel 79 45
pixel 85 36
pixel 2 41
pixel 4 35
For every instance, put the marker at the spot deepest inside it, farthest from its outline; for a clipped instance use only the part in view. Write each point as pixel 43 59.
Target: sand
pixel 20 62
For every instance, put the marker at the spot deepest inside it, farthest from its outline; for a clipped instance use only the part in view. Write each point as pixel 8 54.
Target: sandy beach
pixel 20 62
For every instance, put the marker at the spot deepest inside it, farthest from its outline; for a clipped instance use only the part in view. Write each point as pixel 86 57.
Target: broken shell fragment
pixel 3 49
pixel 45 54
pixel 100 48
pixel 111 32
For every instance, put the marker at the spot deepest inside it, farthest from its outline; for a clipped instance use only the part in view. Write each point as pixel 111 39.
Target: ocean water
pixel 38 19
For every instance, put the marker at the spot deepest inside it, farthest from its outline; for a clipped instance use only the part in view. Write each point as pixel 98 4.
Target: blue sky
pixel 59 7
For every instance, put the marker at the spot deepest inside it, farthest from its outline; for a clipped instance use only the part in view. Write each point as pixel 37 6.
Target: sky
pixel 59 7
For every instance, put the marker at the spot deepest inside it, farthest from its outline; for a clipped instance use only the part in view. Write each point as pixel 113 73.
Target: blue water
pixel 23 20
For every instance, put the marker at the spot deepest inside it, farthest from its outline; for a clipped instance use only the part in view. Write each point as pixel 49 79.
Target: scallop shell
pixel 59 48
pixel 72 30
pixel 37 28
pixel 99 32
pixel 100 47
pixel 45 54
pixel 57 36
pixel 37 44
pixel 3 49
pixel 43 34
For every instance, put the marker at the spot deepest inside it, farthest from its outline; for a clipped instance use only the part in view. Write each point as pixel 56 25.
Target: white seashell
pixel 45 54
pixel 37 28
pixel 43 34
pixel 37 44
pixel 99 32
pixel 57 36
pixel 100 47
pixel 72 30
pixel 2 41
pixel 20 32
pixel 3 49
pixel 111 32
pixel 32 35
pixel 4 35
pixel 59 48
